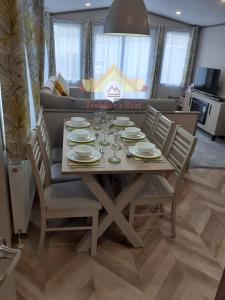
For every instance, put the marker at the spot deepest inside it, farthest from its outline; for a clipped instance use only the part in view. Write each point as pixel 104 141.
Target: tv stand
pixel 214 121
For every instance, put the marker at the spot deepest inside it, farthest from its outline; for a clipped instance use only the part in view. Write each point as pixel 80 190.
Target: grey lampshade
pixel 127 17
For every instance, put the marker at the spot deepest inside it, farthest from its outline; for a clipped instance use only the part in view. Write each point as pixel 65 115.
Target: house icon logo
pixel 114 84
pixel 113 91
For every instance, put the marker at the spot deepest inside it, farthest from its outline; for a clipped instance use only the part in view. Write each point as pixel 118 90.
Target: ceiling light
pixel 127 17
pixel 178 12
pixel 88 4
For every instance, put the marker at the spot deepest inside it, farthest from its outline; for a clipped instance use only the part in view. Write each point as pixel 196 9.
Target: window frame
pixel 153 50
pixel 163 53
pixel 82 46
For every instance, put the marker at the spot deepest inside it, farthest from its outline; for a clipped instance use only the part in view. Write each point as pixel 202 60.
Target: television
pixel 207 80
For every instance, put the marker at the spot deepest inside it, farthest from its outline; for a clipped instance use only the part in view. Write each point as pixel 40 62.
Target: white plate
pixel 140 136
pixel 72 137
pixel 133 150
pixel 130 123
pixel 95 156
pixel 84 125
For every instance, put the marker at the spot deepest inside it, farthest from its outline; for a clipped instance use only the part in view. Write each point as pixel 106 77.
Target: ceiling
pixel 198 12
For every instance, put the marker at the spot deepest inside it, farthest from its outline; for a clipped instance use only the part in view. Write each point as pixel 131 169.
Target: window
pixel 132 57
pixel 67 37
pixel 174 58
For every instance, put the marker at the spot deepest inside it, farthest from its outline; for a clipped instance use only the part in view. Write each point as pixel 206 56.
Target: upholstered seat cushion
pixel 70 196
pixel 57 177
pixel 56 155
pixel 157 187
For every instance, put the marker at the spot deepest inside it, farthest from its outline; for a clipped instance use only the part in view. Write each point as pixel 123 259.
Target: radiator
pixel 22 191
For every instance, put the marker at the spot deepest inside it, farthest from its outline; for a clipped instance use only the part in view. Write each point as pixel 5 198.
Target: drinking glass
pixel 97 118
pixel 109 119
pixel 105 130
pixel 115 159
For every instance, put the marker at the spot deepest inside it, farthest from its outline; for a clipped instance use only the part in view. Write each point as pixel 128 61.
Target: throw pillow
pixel 59 88
pixel 64 84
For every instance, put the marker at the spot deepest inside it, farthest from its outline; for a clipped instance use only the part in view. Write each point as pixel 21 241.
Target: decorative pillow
pixel 64 84
pixel 59 88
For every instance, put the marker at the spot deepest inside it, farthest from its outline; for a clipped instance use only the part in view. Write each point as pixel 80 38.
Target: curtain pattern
pixel 158 60
pixel 87 55
pixel 20 26
pixel 13 79
pixel 191 56
pixel 33 34
pixel 50 44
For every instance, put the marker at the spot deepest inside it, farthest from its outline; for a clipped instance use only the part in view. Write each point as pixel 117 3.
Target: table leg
pixel 114 210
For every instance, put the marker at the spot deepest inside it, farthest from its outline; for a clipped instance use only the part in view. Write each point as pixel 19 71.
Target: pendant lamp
pixel 127 17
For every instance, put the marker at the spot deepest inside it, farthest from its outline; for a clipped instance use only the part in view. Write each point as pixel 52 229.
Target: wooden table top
pixel 127 165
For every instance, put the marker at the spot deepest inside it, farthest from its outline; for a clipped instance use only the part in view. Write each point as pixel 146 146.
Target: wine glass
pixel 115 147
pixel 115 159
pixel 105 130
pixel 97 118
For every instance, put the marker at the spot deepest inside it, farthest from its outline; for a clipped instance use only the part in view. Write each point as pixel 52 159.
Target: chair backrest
pixel 162 132
pixel 44 141
pixel 150 121
pixel 36 157
pixel 43 134
pixel 180 150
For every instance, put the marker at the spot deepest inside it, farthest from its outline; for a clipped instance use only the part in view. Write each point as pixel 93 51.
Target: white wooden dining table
pixel 114 206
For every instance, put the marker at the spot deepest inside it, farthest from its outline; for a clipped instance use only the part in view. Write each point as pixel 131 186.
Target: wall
pixel 211 52
pixel 100 15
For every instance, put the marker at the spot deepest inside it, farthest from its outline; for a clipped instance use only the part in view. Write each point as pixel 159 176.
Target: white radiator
pixel 22 190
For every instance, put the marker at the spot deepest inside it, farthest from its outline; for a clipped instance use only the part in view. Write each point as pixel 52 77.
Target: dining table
pixel 113 206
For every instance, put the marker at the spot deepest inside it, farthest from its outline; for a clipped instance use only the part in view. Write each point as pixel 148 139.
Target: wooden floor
pixel 189 267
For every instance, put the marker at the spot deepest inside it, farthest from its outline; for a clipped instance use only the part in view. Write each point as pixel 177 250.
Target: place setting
pixel 123 122
pixel 145 151
pixel 84 156
pixel 79 136
pixel 76 123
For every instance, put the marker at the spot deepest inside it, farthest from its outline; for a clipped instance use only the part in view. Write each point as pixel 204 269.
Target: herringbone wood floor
pixel 189 267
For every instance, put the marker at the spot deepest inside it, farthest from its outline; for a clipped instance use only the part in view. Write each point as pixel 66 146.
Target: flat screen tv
pixel 207 80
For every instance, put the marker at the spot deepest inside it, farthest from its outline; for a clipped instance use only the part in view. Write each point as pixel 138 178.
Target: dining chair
pixel 54 154
pixel 53 168
pixel 151 117
pixel 158 190
pixel 61 200
pixel 162 132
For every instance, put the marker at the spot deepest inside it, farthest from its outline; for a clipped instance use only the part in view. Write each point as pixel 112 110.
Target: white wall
pixel 211 52
pixel 100 15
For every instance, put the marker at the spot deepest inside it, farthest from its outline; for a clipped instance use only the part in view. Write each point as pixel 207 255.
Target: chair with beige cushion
pixel 151 117
pixel 158 190
pixel 162 132
pixel 53 168
pixel 62 200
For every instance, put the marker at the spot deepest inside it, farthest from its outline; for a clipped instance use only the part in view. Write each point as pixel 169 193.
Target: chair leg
pixel 42 236
pixel 94 236
pixel 173 219
pixel 131 214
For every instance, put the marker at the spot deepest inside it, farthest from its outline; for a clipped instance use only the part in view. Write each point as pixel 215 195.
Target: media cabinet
pixel 212 111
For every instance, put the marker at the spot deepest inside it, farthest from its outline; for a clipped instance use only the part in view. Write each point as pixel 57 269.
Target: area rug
pixel 208 154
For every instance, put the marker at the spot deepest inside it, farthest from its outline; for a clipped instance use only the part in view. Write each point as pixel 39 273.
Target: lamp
pixel 127 17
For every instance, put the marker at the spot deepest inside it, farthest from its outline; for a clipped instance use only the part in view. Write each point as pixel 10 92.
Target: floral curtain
pixel 158 60
pixel 49 39
pixel 87 56
pixel 33 35
pixel 20 27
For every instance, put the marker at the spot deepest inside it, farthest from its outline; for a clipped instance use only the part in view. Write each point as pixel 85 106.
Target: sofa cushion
pixel 64 83
pixel 50 101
